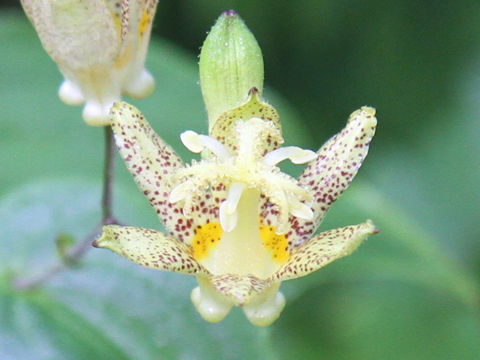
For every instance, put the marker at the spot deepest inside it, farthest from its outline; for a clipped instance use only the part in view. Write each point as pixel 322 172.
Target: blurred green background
pixel 410 292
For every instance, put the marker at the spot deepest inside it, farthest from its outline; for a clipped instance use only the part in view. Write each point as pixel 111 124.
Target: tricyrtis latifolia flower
pixel 234 219
pixel 100 48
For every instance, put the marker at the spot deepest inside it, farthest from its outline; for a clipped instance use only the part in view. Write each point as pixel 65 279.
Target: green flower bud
pixel 231 64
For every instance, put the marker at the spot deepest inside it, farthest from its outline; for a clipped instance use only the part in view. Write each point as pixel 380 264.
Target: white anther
pixel 294 153
pixel 197 143
pixel 300 210
pixel 192 142
pixel 177 194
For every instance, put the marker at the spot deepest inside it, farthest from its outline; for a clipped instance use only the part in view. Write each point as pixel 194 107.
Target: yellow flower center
pixel 275 243
pixel 243 250
pixel 206 238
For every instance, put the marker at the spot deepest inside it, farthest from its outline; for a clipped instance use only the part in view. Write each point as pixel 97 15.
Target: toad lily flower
pixel 100 48
pixel 234 220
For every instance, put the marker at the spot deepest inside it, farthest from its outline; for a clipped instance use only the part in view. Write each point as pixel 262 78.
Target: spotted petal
pixel 149 159
pixel 153 164
pixel 137 18
pixel 254 107
pixel 322 249
pixel 150 248
pixel 240 289
pixel 337 163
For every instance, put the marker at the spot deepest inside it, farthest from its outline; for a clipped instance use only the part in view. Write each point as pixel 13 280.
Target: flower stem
pixel 71 257
pixel 108 172
pixel 76 252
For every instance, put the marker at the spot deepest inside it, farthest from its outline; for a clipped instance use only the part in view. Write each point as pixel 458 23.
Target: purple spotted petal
pixel 150 160
pixel 239 288
pixel 150 248
pixel 323 249
pixel 338 161
pixel 153 164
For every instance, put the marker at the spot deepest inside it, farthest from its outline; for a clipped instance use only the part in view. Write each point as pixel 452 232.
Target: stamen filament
pixel 234 194
pixel 242 167
pixel 228 208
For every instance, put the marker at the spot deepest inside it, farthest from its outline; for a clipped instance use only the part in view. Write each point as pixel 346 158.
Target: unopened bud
pixel 231 64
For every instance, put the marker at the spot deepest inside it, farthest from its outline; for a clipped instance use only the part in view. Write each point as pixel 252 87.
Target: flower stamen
pixel 178 193
pixel 295 154
pixel 228 208
pixel 196 143
pixel 300 210
pixel 244 166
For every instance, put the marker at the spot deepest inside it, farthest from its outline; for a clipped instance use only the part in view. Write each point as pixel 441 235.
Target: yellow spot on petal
pixel 144 23
pixel 118 24
pixel 276 244
pixel 206 238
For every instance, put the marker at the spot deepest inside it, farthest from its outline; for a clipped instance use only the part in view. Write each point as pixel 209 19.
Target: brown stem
pixel 73 255
pixel 108 172
pixel 76 252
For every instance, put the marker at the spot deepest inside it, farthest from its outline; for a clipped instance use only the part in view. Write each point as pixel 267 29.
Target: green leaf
pixel 409 292
pixel 49 328
pixel 377 320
